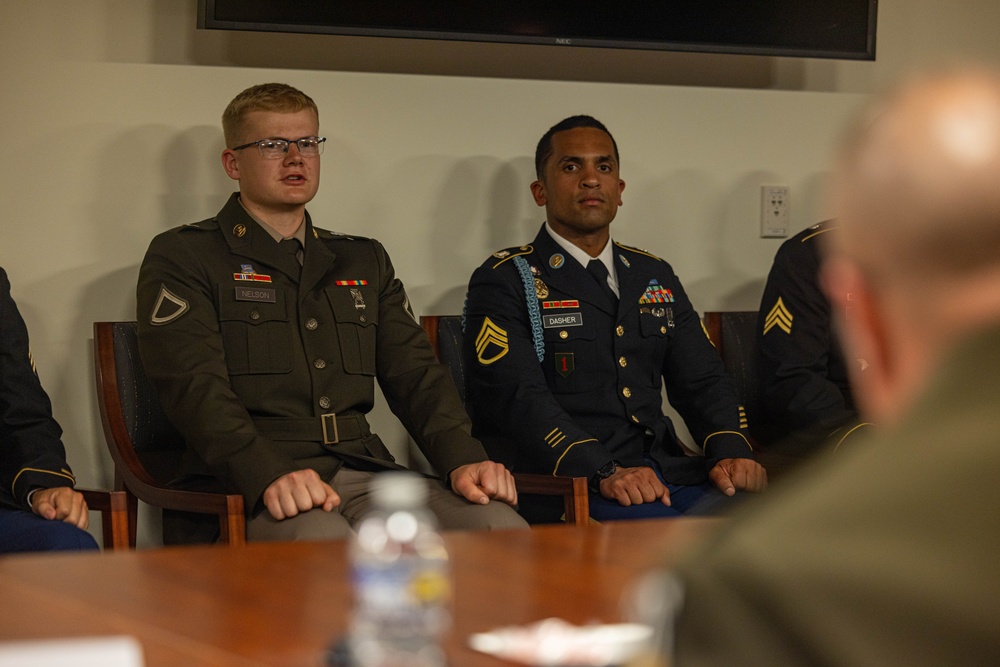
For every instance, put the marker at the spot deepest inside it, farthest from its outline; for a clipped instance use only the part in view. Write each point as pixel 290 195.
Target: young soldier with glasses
pixel 263 335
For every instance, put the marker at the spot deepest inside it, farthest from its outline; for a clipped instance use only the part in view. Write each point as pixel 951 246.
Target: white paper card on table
pixel 79 652
pixel 554 642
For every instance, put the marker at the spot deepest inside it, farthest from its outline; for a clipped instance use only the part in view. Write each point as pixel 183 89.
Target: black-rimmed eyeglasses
pixel 277 148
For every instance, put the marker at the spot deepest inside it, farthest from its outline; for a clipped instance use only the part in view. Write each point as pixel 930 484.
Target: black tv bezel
pixel 206 21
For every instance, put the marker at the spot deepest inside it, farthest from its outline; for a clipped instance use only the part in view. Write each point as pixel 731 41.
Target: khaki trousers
pixel 452 511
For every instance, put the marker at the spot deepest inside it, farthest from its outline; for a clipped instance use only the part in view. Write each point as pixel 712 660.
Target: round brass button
pixel 564 335
pixel 319 363
pixel 663 330
pixel 362 318
pixel 254 315
pixel 324 402
pixel 622 362
pixel 626 392
pixel 620 330
pixel 312 324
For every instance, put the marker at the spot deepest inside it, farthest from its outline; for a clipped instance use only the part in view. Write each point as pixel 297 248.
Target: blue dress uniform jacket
pixel 595 396
pixel 806 392
pixel 247 356
pixel 31 452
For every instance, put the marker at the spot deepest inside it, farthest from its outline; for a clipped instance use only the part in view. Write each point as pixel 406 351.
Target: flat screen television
pixel 804 28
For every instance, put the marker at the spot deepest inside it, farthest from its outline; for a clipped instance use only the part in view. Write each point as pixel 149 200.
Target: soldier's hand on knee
pixel 634 486
pixel 479 482
pixel 62 504
pixel 731 475
pixel 299 491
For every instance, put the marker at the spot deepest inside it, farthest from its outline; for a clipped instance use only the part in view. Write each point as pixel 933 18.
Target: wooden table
pixel 283 603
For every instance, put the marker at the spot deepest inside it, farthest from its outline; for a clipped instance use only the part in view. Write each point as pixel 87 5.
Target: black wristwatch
pixel 606 471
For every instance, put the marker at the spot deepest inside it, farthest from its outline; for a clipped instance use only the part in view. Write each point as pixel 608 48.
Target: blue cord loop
pixel 533 313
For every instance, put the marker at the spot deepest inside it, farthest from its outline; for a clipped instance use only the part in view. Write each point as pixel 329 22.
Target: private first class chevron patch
pixel 779 317
pixel 491 343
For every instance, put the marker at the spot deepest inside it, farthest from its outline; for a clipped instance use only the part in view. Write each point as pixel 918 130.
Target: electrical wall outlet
pixel 774 211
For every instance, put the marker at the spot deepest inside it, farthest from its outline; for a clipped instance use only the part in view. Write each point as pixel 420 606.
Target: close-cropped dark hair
pixel 544 150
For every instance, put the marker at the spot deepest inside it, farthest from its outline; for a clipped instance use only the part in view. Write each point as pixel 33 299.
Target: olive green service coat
pixel 246 355
pixel 886 554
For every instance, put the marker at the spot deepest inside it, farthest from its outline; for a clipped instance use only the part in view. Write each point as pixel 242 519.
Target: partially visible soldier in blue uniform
pixel 805 392
pixel 39 510
pixel 569 341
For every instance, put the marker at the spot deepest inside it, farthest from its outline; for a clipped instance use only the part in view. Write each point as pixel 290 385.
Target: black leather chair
pixel 445 334
pixel 734 334
pixel 144 445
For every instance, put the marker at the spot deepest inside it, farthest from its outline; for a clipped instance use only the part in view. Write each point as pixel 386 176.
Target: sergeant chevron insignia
pixel 491 343
pixel 779 317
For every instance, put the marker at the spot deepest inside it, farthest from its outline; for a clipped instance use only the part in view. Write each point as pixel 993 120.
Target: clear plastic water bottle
pixel 402 590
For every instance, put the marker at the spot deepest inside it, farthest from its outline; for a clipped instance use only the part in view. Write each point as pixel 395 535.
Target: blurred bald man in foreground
pixel 888 554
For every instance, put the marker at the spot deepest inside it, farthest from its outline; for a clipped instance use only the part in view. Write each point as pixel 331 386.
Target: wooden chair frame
pixel 113 506
pixel 131 476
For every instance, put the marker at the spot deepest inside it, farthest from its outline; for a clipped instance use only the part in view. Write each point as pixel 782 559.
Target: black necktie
pixel 600 272
pixel 292 247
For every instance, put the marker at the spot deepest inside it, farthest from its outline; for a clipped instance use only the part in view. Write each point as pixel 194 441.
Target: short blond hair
pixel 278 97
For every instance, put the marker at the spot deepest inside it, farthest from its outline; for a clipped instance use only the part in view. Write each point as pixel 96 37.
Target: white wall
pixel 110 119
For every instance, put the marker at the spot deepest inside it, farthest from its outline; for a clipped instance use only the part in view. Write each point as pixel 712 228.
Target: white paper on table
pixel 556 643
pixel 79 652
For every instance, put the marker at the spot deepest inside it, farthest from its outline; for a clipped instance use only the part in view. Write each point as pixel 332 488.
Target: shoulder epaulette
pixel 817 229
pixel 210 223
pixel 327 234
pixel 511 253
pixel 638 250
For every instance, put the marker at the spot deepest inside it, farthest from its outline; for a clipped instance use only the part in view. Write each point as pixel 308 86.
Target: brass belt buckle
pixel 329 422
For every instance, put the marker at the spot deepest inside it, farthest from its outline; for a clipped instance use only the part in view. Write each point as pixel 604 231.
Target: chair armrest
pixel 576 500
pixel 113 506
pixel 228 507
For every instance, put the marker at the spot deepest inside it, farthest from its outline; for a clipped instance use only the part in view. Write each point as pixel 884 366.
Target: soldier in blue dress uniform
pixel 570 340
pixel 39 510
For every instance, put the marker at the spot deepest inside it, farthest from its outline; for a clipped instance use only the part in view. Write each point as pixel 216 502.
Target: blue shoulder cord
pixel 533 314
pixel 532 299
